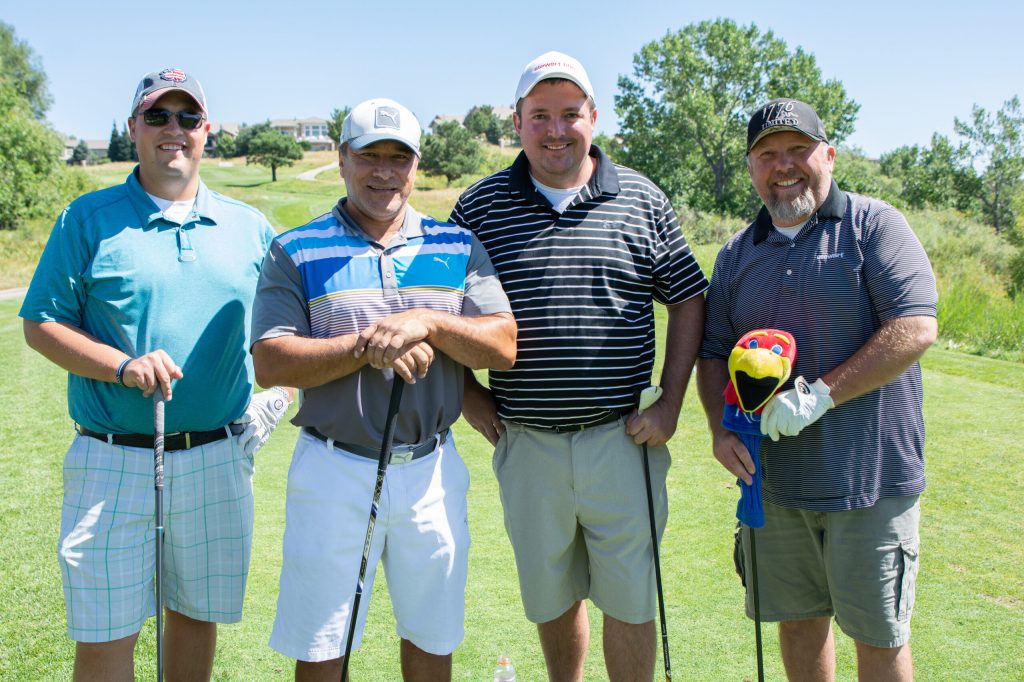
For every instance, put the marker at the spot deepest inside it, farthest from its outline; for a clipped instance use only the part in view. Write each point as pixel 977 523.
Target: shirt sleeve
pixel 898 275
pixel 57 290
pixel 484 294
pixel 677 275
pixel 280 307
pixel 719 334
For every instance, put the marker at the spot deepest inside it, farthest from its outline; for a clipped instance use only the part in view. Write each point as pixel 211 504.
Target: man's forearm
pixel 73 349
pixel 682 341
pixel 896 345
pixel 712 378
pixel 304 362
pixel 482 342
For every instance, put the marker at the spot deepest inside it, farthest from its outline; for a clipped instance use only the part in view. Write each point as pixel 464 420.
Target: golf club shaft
pixel 757 607
pixel 657 565
pixel 398 384
pixel 158 486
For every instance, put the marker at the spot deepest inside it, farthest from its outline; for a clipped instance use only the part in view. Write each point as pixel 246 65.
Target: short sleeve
pixel 280 307
pixel 897 272
pixel 57 290
pixel 484 294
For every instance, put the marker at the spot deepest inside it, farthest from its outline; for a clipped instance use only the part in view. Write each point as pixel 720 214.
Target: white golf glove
pixel 790 412
pixel 265 409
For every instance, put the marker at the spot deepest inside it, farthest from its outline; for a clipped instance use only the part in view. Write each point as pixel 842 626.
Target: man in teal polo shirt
pixel 141 286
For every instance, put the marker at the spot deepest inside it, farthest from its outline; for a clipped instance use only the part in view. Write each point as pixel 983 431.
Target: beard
pixel 791 210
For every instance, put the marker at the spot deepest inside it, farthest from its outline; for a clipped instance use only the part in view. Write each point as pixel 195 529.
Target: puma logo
pixel 387 117
pixel 443 261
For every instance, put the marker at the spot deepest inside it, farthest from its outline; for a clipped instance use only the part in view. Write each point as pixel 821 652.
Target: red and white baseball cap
pixel 553 65
pixel 157 83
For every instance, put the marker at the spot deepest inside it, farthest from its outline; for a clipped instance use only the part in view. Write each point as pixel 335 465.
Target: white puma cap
pixel 381 119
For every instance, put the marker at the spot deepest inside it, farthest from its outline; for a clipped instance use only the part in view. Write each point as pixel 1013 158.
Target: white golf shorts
pixel 421 536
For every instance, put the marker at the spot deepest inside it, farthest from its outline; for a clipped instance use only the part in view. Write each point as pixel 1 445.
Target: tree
pixel 120 147
pixel 855 172
pixel 996 146
pixel 500 130
pixel 226 146
pixel 21 70
pixel 80 154
pixel 31 167
pixel 937 176
pixel 479 119
pixel 611 146
pixel 684 111
pixel 336 122
pixel 451 151
pixel 247 133
pixel 272 149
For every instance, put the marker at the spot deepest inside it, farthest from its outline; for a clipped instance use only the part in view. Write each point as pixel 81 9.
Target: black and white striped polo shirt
pixel 582 285
pixel 853 265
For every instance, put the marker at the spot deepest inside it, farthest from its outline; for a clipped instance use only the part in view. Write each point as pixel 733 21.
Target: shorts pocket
pixel 908 556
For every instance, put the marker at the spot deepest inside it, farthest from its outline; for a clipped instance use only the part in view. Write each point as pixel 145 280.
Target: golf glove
pixel 790 412
pixel 261 416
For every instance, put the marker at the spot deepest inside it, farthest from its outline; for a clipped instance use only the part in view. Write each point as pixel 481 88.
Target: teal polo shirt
pixel 116 268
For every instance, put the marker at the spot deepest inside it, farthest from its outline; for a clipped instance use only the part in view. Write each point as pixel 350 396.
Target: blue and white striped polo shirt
pixel 854 265
pixel 328 278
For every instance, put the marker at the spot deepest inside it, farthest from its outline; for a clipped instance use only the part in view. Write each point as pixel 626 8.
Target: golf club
pixel 648 397
pixel 382 465
pixel 158 485
pixel 757 607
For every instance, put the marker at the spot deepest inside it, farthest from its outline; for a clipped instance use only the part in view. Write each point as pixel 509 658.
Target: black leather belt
pixel 399 453
pixel 182 440
pixel 564 428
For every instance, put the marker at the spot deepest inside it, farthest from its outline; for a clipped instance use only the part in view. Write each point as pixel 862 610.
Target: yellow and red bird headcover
pixel 759 365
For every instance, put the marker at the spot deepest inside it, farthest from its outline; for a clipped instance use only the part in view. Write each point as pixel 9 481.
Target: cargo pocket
pixel 737 554
pixel 908 556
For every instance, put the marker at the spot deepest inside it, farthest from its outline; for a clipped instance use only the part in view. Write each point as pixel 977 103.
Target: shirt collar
pixel 412 225
pixel 603 180
pixel 834 207
pixel 203 211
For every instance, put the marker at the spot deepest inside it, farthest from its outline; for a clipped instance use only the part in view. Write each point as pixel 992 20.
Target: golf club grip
pixel 394 404
pixel 158 440
pixel 657 565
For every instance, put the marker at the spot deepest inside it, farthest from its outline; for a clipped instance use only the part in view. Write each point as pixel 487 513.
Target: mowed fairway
pixel 967 624
pixel 969 617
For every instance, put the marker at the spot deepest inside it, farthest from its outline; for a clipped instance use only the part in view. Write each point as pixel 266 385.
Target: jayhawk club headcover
pixel 759 365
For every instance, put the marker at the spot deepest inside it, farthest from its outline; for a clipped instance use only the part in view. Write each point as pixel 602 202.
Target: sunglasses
pixel 158 118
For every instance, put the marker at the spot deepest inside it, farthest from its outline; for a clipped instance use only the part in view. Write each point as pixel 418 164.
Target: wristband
pixel 119 374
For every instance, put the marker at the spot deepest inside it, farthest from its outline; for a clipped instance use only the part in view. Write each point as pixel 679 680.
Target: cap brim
pixel 370 138
pixel 557 74
pixel 779 129
pixel 150 99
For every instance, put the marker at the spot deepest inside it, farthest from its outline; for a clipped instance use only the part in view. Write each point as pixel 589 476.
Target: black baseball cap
pixel 784 114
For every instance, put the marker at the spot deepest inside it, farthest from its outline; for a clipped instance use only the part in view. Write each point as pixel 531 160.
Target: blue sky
pixel 912 66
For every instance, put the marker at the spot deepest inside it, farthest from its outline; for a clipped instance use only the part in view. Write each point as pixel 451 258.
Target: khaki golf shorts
pixel 859 565
pixel 576 512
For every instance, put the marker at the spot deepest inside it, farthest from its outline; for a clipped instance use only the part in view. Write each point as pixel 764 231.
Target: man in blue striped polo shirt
pixel 145 285
pixel 363 296
pixel 844 462
pixel 584 247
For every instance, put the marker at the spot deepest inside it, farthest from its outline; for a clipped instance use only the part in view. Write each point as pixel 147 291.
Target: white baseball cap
pixel 381 119
pixel 553 65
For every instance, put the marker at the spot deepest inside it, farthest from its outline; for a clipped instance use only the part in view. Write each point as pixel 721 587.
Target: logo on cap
pixel 173 75
pixel 781 114
pixel 387 117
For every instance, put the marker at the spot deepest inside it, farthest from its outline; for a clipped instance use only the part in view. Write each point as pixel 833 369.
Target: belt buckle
pixel 402 457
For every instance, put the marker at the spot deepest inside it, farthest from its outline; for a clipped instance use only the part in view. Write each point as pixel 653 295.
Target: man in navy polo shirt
pixel 844 459
pixel 141 286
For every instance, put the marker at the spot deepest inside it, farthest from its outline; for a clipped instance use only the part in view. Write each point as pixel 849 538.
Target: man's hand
pixel 151 370
pixel 790 412
pixel 261 416
pixel 731 453
pixel 654 426
pixel 388 338
pixel 414 362
pixel 480 411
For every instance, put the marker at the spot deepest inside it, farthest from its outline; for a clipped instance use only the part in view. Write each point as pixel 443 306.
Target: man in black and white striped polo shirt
pixel 844 463
pixel 583 247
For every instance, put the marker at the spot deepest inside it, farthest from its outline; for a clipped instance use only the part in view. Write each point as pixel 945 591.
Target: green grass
pixel 970 599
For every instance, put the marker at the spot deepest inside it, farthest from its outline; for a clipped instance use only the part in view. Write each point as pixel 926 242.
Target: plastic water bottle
pixel 504 672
